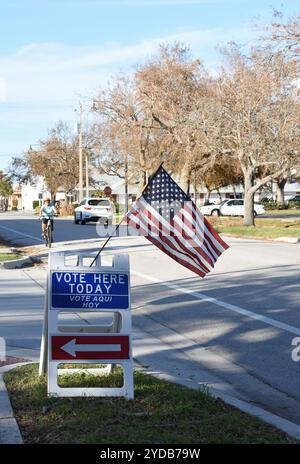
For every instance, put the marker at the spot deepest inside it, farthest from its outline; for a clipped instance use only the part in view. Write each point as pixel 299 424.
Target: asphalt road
pixel 280 216
pixel 237 324
pixel 23 229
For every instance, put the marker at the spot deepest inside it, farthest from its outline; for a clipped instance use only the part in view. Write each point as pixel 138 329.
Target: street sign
pixel 107 191
pixel 91 290
pixel 86 347
pixel 79 288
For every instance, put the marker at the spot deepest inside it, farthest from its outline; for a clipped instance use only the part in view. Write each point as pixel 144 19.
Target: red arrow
pixel 90 347
pixel 72 347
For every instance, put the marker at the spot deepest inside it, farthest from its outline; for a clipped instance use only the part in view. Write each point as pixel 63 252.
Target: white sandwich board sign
pixel 71 289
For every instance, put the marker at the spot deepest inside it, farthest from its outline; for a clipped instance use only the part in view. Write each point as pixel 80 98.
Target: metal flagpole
pixel 117 227
pixel 108 239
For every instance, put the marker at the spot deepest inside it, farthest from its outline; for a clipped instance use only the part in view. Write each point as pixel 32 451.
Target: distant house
pixel 33 192
pixel 28 193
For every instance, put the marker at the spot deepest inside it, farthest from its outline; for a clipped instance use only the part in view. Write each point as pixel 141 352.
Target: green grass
pixel 259 232
pixel 8 256
pixel 265 228
pixel 161 413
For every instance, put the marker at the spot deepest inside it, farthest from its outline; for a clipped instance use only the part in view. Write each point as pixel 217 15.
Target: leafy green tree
pixel 6 190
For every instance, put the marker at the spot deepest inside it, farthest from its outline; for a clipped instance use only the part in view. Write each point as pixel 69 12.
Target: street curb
pixel 15 263
pixel 287 239
pixel 291 240
pixel 8 250
pixel 290 428
pixel 40 255
pixel 9 430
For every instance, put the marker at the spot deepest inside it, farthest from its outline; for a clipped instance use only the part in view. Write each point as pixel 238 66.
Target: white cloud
pixel 42 82
pixel 55 73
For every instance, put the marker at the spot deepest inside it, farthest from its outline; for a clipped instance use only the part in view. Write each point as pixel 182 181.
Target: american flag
pixel 168 218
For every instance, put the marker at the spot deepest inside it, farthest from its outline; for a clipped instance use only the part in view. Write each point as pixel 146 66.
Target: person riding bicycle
pixel 47 212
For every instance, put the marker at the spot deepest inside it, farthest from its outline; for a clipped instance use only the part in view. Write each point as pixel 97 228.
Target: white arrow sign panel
pixel 72 347
pixel 90 347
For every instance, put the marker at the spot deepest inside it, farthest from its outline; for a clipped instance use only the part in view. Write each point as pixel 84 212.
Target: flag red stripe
pixel 197 247
pixel 178 240
pixel 212 231
pixel 184 263
pixel 174 252
pixel 211 239
pixel 200 240
pixel 212 250
pixel 205 253
pixel 187 237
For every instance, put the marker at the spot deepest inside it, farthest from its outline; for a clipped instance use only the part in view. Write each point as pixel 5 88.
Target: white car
pixel 211 209
pixel 94 209
pixel 230 208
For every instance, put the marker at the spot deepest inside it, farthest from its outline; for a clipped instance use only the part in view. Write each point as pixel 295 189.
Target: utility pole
pixel 80 154
pixel 87 186
pixel 126 181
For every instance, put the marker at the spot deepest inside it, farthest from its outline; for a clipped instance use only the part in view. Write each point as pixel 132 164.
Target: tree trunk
pixel 185 178
pixel 195 192
pixel 143 179
pixel 234 191
pixel 220 196
pixel 248 199
pixel 280 184
pixel 188 186
pixel 143 171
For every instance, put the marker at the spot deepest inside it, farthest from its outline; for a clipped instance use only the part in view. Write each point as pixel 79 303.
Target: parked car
pixel 94 209
pixel 210 209
pixel 230 208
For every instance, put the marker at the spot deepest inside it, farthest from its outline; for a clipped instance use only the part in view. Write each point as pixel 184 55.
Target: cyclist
pixel 47 212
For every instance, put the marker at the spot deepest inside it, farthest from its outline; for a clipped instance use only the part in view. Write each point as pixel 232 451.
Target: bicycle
pixel 48 236
pixel 48 233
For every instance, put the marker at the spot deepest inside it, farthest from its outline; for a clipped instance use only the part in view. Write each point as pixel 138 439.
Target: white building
pixel 38 191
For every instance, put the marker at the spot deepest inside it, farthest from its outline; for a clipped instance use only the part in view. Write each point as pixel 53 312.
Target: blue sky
pixel 52 52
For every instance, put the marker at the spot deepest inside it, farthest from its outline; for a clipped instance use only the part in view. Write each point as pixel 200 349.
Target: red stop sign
pixel 107 191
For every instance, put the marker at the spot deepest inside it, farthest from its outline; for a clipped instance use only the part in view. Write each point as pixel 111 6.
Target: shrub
pixel 118 208
pixel 269 206
pixel 282 206
pixel 268 203
pixel 294 204
pixel 14 208
pixel 35 204
pixel 66 210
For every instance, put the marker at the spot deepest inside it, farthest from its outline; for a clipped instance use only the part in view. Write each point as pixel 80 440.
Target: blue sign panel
pixel 89 290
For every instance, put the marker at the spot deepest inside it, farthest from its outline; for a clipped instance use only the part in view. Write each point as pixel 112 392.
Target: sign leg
pixel 44 340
